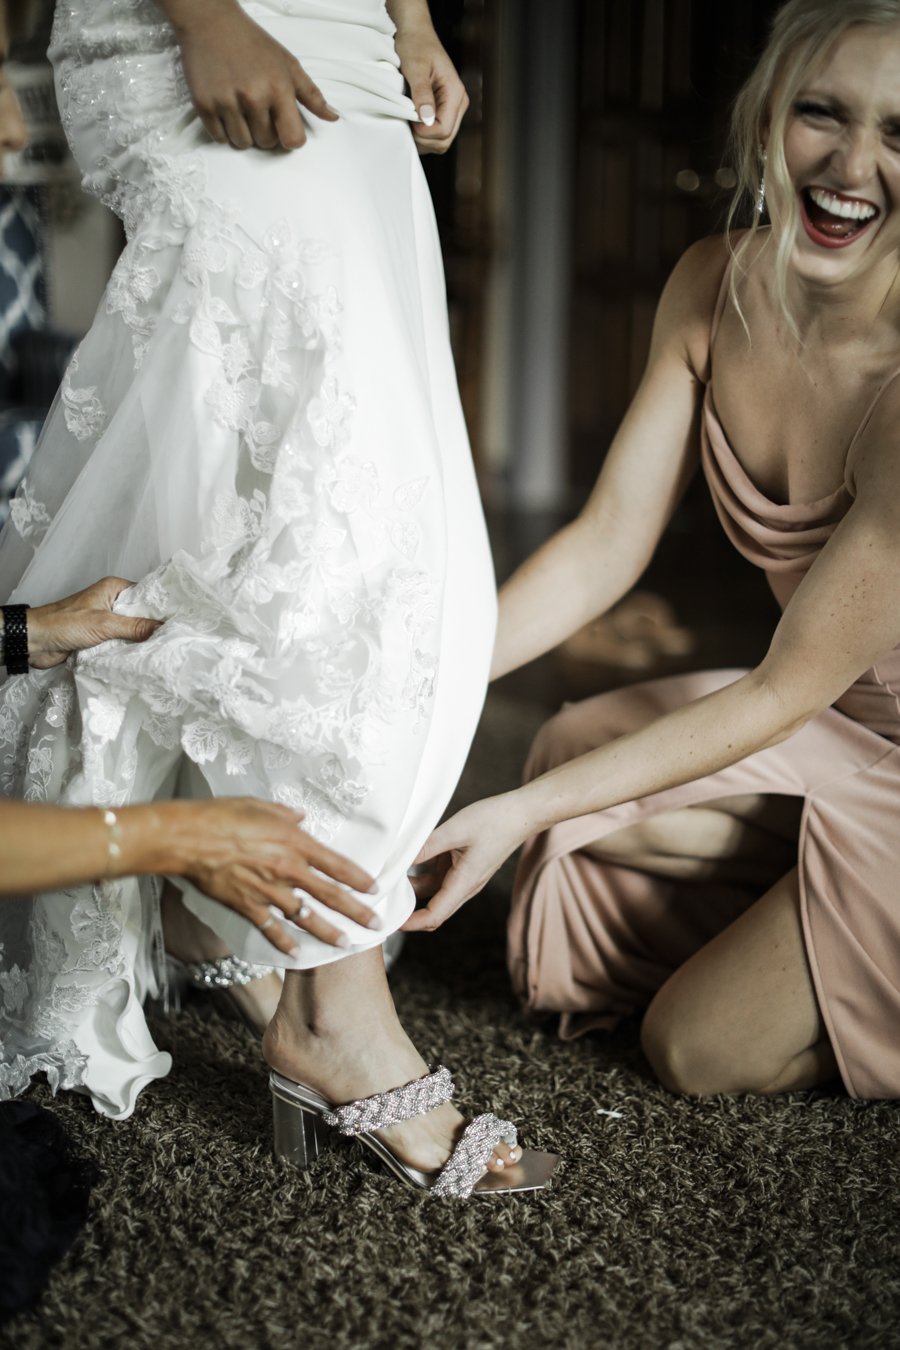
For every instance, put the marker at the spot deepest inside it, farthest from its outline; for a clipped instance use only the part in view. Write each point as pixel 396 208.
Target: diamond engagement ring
pixel 303 912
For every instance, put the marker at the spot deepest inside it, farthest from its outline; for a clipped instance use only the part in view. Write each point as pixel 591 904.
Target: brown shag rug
pixel 678 1224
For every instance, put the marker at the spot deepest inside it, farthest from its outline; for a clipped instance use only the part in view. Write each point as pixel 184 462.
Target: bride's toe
pixel 503 1156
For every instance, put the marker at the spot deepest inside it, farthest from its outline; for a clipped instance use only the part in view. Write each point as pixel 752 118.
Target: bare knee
pixel 673 1055
pixel 691 1060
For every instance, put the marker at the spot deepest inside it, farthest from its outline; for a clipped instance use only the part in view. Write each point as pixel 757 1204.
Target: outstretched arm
pixel 246 854
pixel 844 615
pixel 590 564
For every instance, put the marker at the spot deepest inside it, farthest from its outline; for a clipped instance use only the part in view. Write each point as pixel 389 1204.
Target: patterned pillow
pixel 23 311
pixel 22 288
pixel 19 430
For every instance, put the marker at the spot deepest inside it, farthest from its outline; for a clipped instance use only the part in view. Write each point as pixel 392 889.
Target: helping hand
pixel 244 84
pixel 434 87
pixel 80 621
pixel 467 850
pixel 250 854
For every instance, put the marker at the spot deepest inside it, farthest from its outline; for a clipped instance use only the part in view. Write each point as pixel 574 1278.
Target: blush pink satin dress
pixel 593 942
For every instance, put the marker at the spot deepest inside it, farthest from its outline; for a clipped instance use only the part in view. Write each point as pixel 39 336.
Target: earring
pixel 761 191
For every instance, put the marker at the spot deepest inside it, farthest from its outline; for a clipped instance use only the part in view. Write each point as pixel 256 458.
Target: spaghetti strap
pixel 867 415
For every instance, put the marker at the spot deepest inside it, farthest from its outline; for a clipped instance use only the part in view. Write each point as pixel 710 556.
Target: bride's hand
pixel 245 85
pixel 434 87
pixel 465 852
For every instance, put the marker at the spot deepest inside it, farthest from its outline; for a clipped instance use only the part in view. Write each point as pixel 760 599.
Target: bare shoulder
pixel 688 303
pixel 873 466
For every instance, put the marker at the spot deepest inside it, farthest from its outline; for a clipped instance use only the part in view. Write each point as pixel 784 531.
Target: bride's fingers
pixel 311 96
pixel 259 119
pixel 289 124
pixel 236 128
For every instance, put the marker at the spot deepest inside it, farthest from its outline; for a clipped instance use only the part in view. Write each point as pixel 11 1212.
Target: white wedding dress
pixel 262 430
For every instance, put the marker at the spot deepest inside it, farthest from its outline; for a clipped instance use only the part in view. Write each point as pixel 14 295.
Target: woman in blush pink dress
pixel 722 848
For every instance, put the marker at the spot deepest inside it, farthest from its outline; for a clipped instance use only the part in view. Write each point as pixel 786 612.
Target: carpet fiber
pixel 758 1223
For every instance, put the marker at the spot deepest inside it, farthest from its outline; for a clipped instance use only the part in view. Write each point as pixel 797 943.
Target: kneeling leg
pixel 742 1015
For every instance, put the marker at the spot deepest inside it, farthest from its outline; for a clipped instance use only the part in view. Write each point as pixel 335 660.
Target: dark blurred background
pixel 593 154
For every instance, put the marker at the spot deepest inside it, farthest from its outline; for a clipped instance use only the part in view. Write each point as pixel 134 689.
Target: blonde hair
pixel 802 37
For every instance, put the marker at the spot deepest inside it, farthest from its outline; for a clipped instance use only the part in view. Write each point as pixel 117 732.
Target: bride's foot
pixel 336 1032
pixel 189 940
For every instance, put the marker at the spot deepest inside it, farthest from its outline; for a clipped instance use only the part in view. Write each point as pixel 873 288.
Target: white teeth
pixel 837 206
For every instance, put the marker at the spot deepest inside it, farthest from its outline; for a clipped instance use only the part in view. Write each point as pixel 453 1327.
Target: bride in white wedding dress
pixel 263 426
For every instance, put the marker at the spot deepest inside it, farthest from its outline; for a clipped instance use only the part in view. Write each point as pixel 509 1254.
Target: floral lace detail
pixel 277 572
pixel 84 413
pixel 64 1066
pixel 29 516
pixel 299 653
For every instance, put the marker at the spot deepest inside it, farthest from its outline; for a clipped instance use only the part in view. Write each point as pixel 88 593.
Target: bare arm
pixel 844 615
pixel 584 569
pixel 247 854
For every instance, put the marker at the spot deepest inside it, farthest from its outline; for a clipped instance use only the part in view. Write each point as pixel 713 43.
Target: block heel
pixel 297 1132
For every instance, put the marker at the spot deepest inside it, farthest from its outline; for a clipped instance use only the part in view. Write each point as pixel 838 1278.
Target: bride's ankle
pixel 187 937
pixel 342 1002
pixel 321 1033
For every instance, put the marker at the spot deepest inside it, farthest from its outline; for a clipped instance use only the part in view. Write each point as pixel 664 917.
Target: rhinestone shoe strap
pixel 227 971
pixel 468 1160
pixel 389 1108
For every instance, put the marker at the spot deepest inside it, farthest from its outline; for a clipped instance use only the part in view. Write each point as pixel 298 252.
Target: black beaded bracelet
pixel 15 638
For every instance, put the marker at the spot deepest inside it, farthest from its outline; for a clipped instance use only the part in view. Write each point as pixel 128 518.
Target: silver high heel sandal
pixel 302 1117
pixel 215 978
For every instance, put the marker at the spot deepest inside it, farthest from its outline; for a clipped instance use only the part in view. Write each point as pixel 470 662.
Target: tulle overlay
pixel 262 429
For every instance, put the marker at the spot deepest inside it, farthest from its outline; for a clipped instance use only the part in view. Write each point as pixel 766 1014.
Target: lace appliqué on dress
pixel 300 640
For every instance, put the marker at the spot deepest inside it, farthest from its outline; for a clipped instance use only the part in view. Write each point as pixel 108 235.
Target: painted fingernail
pixel 376 922
pixel 296 953
pixel 498 1163
pixel 373 889
pixel 426 113
pixel 343 941
pixel 332 110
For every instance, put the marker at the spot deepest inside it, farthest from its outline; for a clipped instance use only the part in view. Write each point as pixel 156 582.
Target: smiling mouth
pixel 833 220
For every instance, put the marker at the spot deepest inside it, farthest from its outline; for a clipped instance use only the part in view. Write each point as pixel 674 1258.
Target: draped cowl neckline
pixel 779 537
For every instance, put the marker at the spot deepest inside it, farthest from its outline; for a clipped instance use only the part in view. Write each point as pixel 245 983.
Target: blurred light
pixel 687 180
